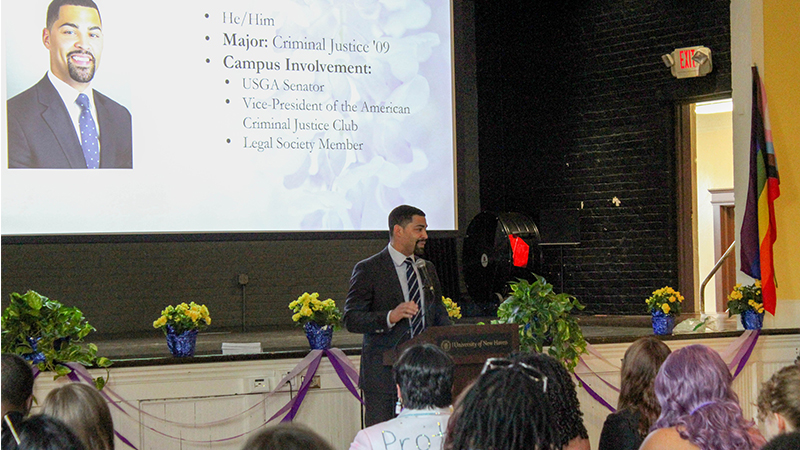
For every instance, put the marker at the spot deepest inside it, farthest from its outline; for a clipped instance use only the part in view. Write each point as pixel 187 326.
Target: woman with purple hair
pixel 699 409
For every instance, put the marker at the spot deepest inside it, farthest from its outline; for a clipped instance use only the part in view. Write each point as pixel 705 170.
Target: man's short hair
pixel 55 7
pixel 402 215
pixel 425 376
pixel 17 381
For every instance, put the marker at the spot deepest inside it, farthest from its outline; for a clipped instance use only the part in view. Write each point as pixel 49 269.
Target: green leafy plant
pixel 544 319
pixel 56 331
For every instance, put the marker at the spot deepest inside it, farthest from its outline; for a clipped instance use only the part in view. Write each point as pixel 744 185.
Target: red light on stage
pixel 519 251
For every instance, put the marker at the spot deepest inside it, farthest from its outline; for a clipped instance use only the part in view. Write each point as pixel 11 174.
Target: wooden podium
pixel 468 345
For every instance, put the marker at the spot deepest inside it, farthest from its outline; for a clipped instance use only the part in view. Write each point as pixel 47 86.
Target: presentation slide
pixel 226 116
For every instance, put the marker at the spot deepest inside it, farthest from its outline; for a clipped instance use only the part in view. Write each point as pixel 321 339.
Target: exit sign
pixel 684 60
pixel 685 65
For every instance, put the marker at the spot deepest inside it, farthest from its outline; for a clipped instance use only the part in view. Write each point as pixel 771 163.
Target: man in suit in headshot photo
pixel 394 295
pixel 61 122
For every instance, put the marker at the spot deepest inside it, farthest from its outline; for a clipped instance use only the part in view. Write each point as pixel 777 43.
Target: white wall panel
pixel 204 393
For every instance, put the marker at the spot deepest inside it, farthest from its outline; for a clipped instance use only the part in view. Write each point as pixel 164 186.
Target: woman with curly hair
pixel 568 418
pixel 505 409
pixel 699 409
pixel 637 408
pixel 779 402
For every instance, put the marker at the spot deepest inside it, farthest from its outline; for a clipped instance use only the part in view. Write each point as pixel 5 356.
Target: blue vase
pixel 181 344
pixel 663 323
pixel 36 356
pixel 752 320
pixel 319 338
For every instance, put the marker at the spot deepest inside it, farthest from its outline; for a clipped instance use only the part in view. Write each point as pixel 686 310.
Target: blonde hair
pixel 85 412
pixel 781 394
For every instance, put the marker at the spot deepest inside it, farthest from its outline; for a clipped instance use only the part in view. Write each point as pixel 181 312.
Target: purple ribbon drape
pixel 304 386
pixel 738 352
pixel 744 352
pixel 582 363
pixel 594 394
pixel 344 369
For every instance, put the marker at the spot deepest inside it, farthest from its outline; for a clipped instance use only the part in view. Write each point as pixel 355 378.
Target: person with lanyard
pixel 424 379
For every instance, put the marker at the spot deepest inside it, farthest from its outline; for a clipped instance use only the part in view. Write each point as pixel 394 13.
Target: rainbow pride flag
pixel 758 225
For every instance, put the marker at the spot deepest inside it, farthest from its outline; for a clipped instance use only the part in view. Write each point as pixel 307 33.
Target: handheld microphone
pixel 422 267
pixel 430 297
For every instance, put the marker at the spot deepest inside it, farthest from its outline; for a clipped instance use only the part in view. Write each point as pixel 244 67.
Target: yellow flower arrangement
pixel 667 300
pixel 183 317
pixel 309 308
pixel 743 298
pixel 453 310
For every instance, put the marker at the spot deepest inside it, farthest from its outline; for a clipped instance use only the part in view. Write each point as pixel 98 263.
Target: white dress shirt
pixel 399 260
pixel 69 95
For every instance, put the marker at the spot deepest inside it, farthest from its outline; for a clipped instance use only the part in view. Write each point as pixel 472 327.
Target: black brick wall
pixel 576 108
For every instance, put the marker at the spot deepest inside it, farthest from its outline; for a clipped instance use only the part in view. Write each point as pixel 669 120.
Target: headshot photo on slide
pixel 62 121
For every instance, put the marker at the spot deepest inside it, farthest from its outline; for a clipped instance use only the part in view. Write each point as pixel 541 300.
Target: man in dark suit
pixel 61 122
pixel 380 304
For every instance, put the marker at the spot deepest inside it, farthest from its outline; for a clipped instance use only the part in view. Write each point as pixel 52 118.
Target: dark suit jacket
pixel 41 133
pixel 374 291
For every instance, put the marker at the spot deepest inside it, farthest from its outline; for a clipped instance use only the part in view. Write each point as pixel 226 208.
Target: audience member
pixel 17 393
pixel 699 409
pixel 44 433
pixel 637 408
pixel 286 436
pixel 82 408
pixel 505 409
pixel 424 378
pixel 563 398
pixel 779 402
pixel 786 441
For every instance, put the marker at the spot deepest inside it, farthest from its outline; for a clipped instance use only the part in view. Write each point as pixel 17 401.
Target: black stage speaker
pixel 559 227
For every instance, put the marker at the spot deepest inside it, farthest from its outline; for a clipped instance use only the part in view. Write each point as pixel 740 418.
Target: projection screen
pixel 245 116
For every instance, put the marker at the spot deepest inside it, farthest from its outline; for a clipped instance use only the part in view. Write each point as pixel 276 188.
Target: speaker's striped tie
pixel 417 324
